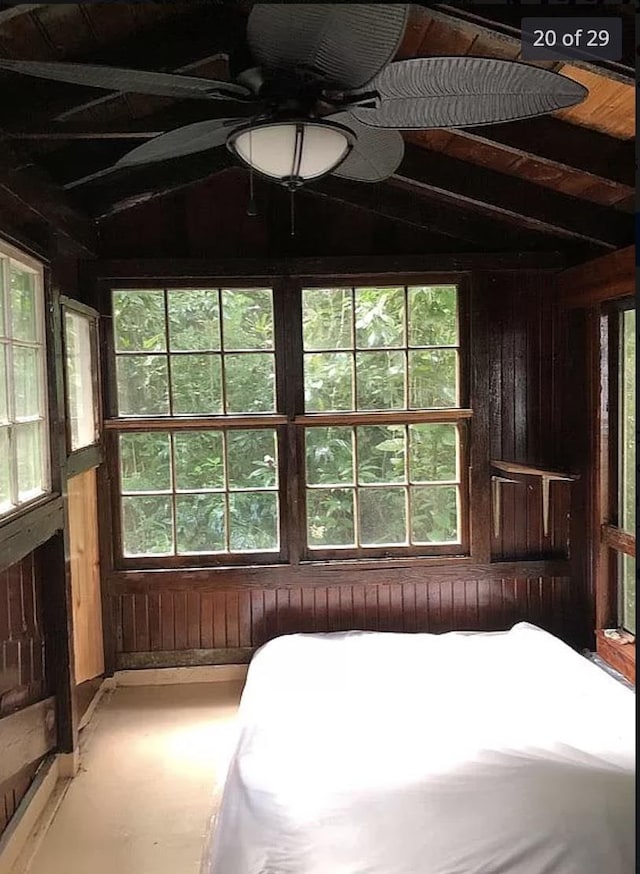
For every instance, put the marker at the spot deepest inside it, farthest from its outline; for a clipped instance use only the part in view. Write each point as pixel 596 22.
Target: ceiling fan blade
pixel 344 44
pixel 138 81
pixel 376 154
pixel 462 92
pixel 184 141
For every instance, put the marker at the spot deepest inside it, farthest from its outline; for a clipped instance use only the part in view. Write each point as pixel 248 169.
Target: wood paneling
pixel 26 736
pixel 240 620
pixel 610 106
pixel 591 284
pixel 22 668
pixel 85 576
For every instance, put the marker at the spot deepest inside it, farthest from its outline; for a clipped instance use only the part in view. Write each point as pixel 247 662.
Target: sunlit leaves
pixel 390 510
pixel 247 319
pixel 196 384
pixel 143 385
pixel 194 319
pixel 225 487
pixel 383 367
pixel 139 321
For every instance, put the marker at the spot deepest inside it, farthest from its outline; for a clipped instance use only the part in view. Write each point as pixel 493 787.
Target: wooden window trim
pixel 291 420
pixel 84 457
pixel 621 656
pixel 611 540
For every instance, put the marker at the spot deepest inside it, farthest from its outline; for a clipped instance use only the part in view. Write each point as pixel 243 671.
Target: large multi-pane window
pixel 384 352
pixel 357 448
pixel 24 448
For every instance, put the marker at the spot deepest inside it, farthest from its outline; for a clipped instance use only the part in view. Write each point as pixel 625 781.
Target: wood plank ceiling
pixel 552 182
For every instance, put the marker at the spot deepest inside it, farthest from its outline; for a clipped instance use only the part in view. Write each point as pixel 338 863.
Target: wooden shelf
pixel 546 476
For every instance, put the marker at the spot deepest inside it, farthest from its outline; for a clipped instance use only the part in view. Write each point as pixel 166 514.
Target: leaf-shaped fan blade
pixel 184 141
pixel 345 45
pixel 375 155
pixel 461 92
pixel 138 81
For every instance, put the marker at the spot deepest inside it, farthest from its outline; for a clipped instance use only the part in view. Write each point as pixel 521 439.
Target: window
pixel 24 438
pixel 204 355
pixel 357 448
pixel 81 374
pixel 616 571
pixel 382 352
pixel 627 463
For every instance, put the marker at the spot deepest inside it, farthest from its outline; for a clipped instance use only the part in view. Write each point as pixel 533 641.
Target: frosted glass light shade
pixel 292 152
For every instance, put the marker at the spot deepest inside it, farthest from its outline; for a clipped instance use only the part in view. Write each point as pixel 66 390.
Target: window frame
pixel 289 421
pixel 83 457
pixel 9 253
pixel 615 542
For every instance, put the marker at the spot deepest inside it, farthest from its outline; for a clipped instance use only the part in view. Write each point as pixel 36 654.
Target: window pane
pixel 196 383
pixel 628 422
pixel 381 380
pixel 433 316
pixel 252 459
pixel 329 453
pixel 145 462
pixel 28 439
pixel 381 453
pixel 253 521
pixel 139 321
pixel 380 317
pixel 147 525
pixel 433 379
pixel 200 523
pixel 24 316
pixel 434 514
pixel 142 385
pixel 194 319
pixel 80 366
pixel 4 409
pixel 198 460
pixel 247 319
pixel 628 576
pixel 328 382
pixel 5 482
pixel 433 452
pixel 26 381
pixel 330 517
pixel 250 383
pixel 383 517
pixel 327 318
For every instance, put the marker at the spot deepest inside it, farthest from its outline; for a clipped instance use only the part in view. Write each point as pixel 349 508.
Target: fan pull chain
pixel 252 208
pixel 292 211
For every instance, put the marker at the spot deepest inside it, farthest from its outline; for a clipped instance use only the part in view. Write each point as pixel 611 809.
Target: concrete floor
pixel 153 761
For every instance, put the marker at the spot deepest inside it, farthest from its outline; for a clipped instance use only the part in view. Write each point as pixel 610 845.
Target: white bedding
pixel 372 753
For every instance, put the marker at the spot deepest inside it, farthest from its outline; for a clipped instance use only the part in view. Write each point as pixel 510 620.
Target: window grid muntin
pixel 407 484
pixel 168 352
pixel 12 259
pixel 406 349
pixel 225 491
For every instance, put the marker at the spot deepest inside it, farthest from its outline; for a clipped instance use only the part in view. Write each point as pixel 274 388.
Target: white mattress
pixel 372 753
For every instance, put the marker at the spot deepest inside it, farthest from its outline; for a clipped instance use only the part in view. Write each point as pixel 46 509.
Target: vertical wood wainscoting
pixel 22 668
pixel 174 627
pixel 201 616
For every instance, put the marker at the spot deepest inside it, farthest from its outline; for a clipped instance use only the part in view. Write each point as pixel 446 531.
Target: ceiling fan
pixel 325 96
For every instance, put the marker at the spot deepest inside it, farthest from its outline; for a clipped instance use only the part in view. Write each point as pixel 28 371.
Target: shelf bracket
pixel 496 488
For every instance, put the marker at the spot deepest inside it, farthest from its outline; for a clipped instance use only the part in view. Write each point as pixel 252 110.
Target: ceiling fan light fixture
pixel 292 152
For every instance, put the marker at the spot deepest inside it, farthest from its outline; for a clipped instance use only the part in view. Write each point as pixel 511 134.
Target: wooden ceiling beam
pixel 129 188
pixel 29 189
pixel 516 200
pixel 177 43
pixel 391 201
pixel 504 22
pixel 549 140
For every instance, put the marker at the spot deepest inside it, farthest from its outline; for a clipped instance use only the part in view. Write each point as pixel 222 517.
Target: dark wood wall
pixel 195 616
pixel 22 666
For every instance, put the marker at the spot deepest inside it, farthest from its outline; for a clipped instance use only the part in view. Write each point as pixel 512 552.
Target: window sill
pixel 620 655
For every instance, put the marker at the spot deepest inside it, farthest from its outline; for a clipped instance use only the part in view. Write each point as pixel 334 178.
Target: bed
pixel 459 753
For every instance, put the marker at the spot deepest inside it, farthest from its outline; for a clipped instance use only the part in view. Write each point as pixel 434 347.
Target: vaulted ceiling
pixel 557 182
